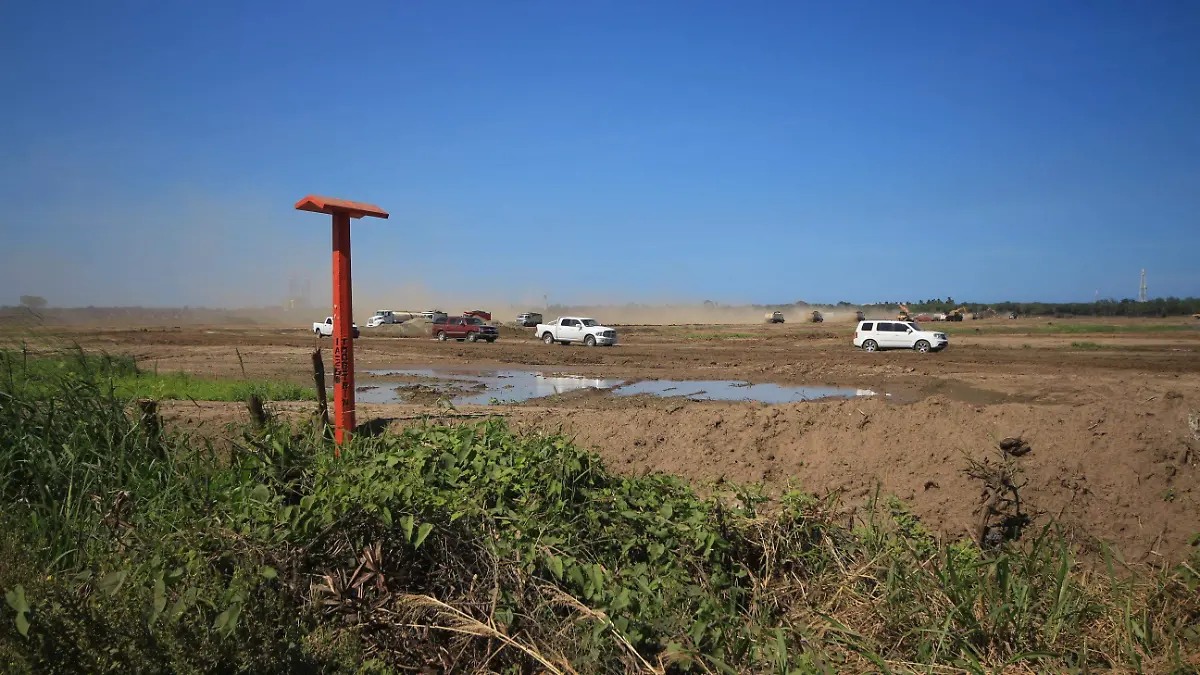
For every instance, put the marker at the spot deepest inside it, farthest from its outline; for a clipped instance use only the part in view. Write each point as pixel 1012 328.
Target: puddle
pixel 515 386
pixel 505 386
pixel 729 390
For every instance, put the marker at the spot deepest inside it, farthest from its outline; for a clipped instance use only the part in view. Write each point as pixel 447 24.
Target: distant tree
pixel 33 302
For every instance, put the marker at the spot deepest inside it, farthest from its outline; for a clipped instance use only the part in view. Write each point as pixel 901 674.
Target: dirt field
pixel 1104 403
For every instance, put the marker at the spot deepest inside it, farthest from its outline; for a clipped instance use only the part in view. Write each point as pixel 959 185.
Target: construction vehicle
pixel 774 317
pixel 859 316
pixel 903 315
pixel 956 314
pixel 817 317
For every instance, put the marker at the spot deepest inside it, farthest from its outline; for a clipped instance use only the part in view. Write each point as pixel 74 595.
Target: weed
pixel 1087 345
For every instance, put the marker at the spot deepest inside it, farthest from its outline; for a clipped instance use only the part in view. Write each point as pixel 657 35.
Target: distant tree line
pixel 1157 307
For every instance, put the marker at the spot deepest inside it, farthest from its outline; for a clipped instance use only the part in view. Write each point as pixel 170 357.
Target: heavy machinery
pixel 817 317
pixel 956 314
pixel 903 315
pixel 860 316
pixel 774 317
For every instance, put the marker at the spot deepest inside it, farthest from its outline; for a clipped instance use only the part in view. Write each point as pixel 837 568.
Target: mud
pixel 1113 458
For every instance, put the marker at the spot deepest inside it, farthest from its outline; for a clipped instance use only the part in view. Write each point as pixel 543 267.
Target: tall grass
pixel 473 547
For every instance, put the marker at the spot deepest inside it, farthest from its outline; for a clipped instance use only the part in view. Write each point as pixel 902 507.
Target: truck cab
pixel 381 317
pixel 325 328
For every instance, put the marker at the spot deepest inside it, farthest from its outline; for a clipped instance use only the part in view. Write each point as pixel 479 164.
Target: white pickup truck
pixel 570 329
pixel 325 328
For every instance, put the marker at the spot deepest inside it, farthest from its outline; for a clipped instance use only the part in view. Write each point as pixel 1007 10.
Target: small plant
pixel 1087 345
pixel 1168 495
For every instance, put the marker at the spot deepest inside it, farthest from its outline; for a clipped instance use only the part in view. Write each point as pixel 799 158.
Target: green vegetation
pixel 1159 307
pixel 121 374
pixel 1086 345
pixel 472 548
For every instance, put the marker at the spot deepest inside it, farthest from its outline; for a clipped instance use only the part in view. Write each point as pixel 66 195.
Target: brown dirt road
pixel 1114 457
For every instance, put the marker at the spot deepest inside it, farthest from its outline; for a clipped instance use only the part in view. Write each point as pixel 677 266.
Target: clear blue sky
pixel 150 152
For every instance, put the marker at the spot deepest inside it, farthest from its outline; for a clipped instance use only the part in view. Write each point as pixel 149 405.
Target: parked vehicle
pixel 469 328
pixel 570 329
pixel 479 314
pixel 875 335
pixel 325 328
pixel 381 317
pixel 529 319
pixel 774 317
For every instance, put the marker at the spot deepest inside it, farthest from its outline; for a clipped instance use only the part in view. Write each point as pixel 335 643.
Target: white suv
pixel 873 335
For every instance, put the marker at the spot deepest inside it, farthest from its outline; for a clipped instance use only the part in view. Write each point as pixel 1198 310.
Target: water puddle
pixel 502 386
pixel 428 385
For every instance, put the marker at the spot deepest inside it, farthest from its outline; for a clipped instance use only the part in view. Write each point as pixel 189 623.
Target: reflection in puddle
pixel 504 386
pixel 515 386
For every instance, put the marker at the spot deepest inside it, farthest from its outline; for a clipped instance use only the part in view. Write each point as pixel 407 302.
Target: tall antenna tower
pixel 1142 288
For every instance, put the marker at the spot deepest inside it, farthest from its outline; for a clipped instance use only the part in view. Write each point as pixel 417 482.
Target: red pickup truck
pixel 469 328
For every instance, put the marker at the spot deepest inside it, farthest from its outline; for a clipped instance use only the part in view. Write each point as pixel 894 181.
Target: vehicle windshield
pixel 914 325
pixel 591 322
pixel 474 321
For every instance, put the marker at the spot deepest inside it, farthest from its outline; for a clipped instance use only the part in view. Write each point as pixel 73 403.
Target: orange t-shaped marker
pixel 343 304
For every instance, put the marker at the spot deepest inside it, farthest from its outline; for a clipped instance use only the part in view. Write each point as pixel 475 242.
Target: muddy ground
pixel 1114 457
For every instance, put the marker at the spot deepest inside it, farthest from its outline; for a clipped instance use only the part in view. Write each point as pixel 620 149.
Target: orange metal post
pixel 343 304
pixel 343 331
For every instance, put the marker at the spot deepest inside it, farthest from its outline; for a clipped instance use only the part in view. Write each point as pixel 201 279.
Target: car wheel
pixel 922 346
pixel 870 346
pixel 441 336
pixel 472 337
pixel 590 341
pixel 548 338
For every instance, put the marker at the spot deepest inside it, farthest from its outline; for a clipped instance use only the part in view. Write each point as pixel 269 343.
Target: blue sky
pixel 150 152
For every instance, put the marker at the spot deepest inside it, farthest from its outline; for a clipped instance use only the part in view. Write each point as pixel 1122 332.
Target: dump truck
pixel 817 317
pixel 860 316
pixel 774 317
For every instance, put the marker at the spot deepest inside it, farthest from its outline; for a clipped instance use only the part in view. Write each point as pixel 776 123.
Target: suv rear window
pixel 868 326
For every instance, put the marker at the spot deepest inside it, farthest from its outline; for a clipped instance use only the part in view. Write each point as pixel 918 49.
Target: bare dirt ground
pixel 1107 412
